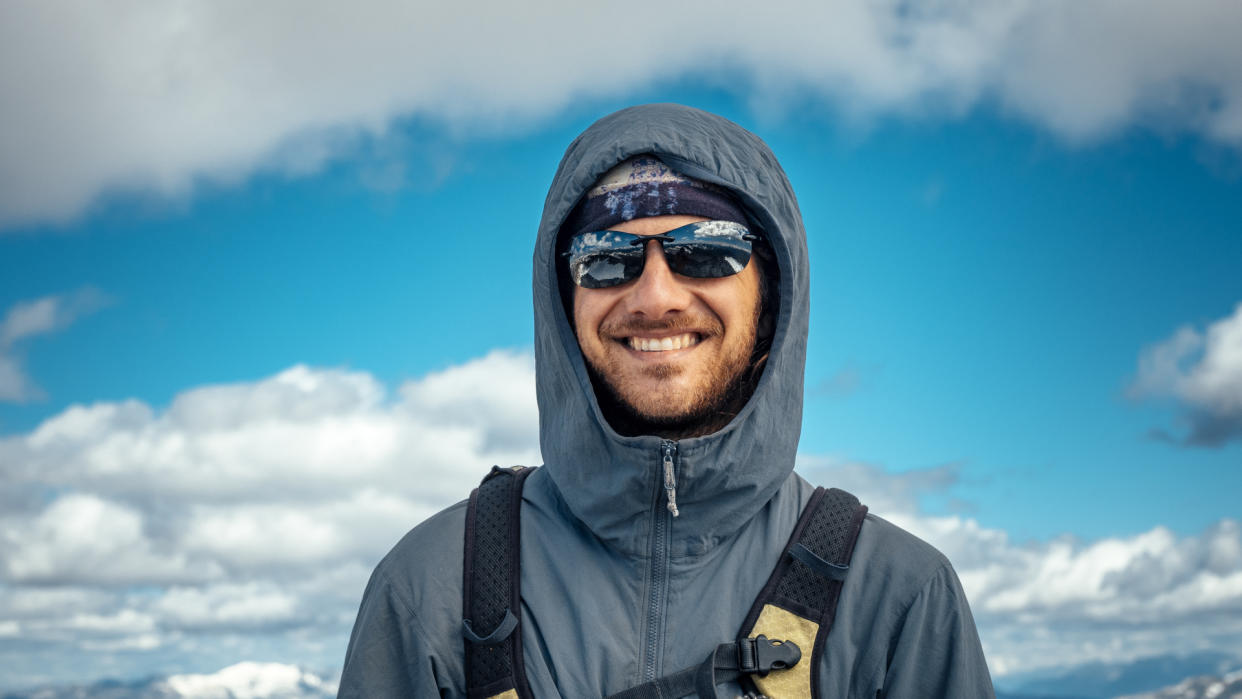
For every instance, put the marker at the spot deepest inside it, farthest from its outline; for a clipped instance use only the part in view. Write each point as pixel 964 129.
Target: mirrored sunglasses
pixel 703 250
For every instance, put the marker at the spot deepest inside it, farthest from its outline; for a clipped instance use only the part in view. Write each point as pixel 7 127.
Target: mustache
pixel 707 326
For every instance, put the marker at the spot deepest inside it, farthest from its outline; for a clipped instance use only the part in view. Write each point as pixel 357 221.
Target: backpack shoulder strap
pixel 799 601
pixel 491 599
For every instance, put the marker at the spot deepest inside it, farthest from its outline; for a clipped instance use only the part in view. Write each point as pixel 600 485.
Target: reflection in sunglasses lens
pixel 704 250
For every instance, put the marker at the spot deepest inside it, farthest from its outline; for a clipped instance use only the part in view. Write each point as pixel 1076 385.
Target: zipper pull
pixel 670 479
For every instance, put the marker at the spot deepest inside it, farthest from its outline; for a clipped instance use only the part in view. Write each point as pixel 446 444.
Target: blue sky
pixel 1025 299
pixel 981 290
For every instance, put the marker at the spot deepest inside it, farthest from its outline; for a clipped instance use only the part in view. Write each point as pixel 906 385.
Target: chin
pixel 669 399
pixel 660 413
pixel 666 399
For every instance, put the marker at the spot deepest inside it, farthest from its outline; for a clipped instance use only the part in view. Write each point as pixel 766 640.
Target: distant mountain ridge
pixel 1206 687
pixel 246 680
pixel 252 680
pixel 1138 678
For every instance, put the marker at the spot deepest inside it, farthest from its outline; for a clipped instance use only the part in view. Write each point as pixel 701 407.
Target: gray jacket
pixel 614 590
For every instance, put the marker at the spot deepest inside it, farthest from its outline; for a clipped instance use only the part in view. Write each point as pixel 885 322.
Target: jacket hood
pixel 614 483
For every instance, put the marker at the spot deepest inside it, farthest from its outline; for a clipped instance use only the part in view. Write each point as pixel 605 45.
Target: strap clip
pixel 761 655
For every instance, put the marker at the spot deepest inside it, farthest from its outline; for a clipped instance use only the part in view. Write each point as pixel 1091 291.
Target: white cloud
pixel 126 621
pixel 257 510
pixel 240 512
pixel 496 393
pixel 1203 371
pixel 28 319
pixel 48 314
pixel 1060 603
pixel 304 434
pixel 229 606
pixel 307 467
pixel 154 96
pixel 14 385
pixel 82 538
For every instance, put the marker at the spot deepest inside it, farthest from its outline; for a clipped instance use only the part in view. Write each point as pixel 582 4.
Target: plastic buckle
pixel 761 655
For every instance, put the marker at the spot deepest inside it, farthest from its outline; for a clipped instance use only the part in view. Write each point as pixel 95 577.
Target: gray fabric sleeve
pixel 387 656
pixel 936 651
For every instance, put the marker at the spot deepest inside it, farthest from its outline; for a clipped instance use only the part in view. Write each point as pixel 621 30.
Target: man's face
pixel 669 347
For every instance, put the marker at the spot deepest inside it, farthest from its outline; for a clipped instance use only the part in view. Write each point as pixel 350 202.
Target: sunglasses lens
pixel 707 260
pixel 607 268
pixel 707 250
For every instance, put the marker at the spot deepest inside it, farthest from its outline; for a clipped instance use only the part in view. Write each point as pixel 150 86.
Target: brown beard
pixel 709 415
pixel 734 382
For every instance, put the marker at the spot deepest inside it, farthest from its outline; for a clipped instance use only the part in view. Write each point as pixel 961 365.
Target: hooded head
pixel 609 477
pixel 671 338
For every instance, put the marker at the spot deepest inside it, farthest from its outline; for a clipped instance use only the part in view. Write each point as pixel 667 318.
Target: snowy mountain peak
pixel 1206 687
pixel 251 680
pixel 246 680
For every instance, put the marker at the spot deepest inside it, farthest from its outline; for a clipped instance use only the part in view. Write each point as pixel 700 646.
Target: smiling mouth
pixel 662 344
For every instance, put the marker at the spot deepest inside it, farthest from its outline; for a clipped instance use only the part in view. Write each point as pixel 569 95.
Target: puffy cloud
pixel 304 434
pixel 229 606
pixel 82 538
pixel 47 314
pixel 239 512
pixel 497 394
pixel 1203 371
pixel 242 521
pixel 1060 603
pixel 33 603
pixel 153 96
pixel 28 319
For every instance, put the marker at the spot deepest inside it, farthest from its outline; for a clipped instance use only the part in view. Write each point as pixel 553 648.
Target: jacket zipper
pixel 659 559
pixel 668 451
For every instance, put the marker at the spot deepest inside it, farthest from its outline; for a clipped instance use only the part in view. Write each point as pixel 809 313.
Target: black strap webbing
pixel 807 580
pixel 728 662
pixel 491 598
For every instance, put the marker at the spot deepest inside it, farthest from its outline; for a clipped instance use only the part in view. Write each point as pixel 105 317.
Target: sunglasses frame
pixel 737 238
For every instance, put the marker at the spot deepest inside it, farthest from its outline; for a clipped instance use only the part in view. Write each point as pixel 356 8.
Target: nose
pixel 657 291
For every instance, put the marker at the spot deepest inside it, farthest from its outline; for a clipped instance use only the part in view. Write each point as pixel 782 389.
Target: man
pixel 671 307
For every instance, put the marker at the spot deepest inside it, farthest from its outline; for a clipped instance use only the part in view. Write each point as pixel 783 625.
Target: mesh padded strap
pixel 800 597
pixel 491 598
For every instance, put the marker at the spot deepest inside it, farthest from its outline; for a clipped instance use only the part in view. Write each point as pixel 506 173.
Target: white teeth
pixel 663 344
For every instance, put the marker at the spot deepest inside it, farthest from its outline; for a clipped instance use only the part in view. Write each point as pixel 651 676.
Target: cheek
pixel 741 303
pixel 588 312
pixel 582 310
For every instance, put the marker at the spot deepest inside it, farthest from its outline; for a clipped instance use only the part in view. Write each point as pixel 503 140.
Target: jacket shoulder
pixel 404 641
pixel 427 561
pixel 909 595
pixel 885 555
pixel 887 550
pixel 909 618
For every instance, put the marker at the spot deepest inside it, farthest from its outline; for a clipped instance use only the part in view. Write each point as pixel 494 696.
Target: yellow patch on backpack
pixel 780 624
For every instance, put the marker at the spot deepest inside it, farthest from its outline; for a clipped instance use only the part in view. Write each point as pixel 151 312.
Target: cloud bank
pixel 1202 372
pixel 241 522
pixel 149 96
pixel 1057 604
